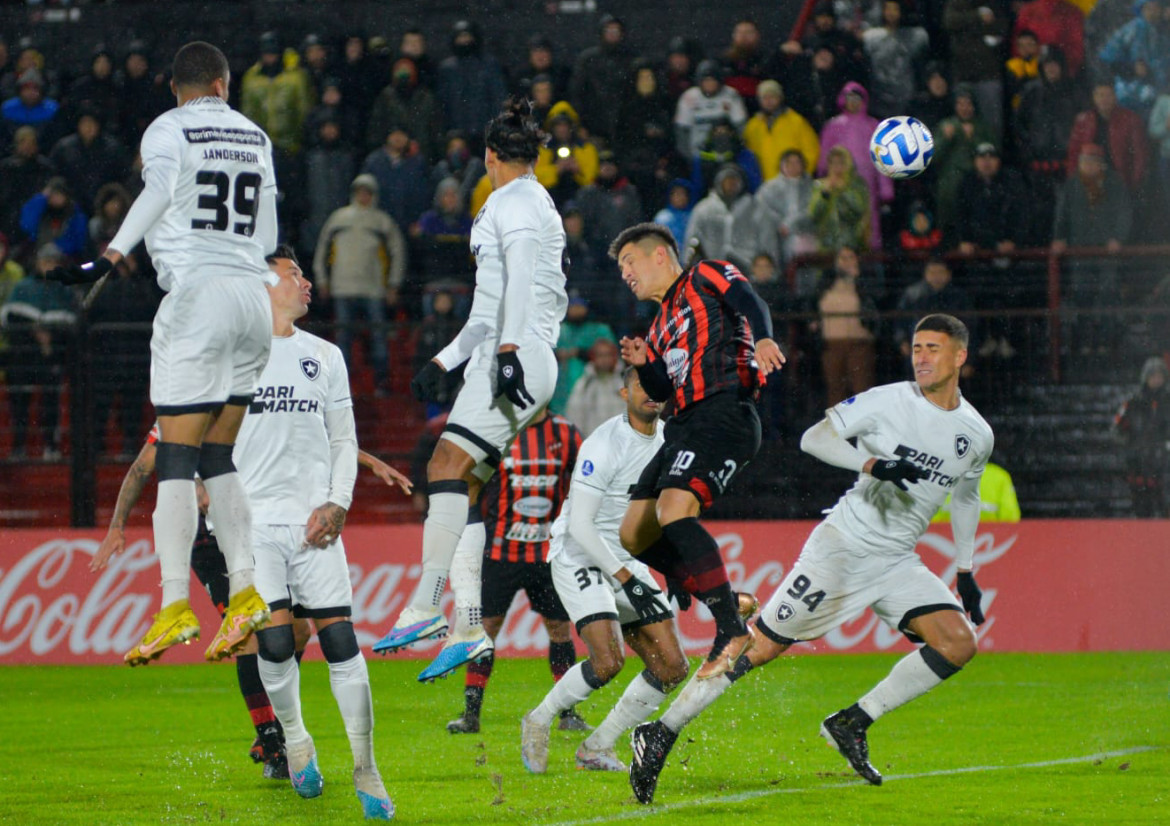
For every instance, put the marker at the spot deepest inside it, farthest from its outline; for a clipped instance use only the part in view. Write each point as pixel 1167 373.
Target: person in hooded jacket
pixel 470 81
pixel 852 129
pixel 568 160
pixel 600 78
pixel 680 202
pixel 404 101
pixel 723 146
pixel 723 224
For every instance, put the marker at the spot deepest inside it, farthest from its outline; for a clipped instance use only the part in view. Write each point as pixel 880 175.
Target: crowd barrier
pixel 1048 586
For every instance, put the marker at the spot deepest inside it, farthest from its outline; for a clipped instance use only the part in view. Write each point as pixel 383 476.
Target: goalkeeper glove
pixel 645 601
pixel 971 595
pixel 71 274
pixel 898 471
pixel 510 380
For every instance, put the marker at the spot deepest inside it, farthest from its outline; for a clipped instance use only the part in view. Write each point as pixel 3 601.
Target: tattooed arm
pixel 325 523
pixel 132 486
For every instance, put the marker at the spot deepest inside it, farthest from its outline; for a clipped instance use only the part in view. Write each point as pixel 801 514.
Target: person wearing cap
pixel 404 101
pixel 954 153
pixel 360 263
pixel 703 104
pixel 52 216
pixel 1143 425
pixel 993 205
pixel 541 62
pixel 30 107
pixel 898 55
pixel 276 94
pixel 601 75
pixel 470 82
pixel 1118 131
pixel 568 160
pixel 775 129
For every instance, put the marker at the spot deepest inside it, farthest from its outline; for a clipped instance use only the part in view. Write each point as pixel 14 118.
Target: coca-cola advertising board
pixel 1047 586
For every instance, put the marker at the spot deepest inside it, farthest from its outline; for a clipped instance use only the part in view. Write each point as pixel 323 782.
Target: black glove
pixel 971 596
pixel 645 601
pixel 510 380
pixel 676 591
pixel 71 274
pixel 898 471
pixel 428 383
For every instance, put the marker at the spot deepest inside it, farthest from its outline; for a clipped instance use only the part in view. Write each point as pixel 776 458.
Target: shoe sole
pixel 133 659
pixel 225 645
pixel 383 646
pixel 593 765
pixel 443 667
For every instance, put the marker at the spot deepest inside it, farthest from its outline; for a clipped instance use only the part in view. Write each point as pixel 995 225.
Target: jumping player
pixel 208 213
pixel 708 350
pixel 520 503
pixel 507 343
pixel 862 554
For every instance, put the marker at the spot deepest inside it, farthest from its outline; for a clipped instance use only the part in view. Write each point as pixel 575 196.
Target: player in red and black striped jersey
pixel 519 506
pixel 709 349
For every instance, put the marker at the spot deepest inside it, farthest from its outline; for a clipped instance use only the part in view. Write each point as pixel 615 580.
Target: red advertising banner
pixel 1047 586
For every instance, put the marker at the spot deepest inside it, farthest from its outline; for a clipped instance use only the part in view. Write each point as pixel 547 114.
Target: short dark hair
pixel 282 251
pixel 513 134
pixel 628 374
pixel 199 64
pixel 640 232
pixel 943 323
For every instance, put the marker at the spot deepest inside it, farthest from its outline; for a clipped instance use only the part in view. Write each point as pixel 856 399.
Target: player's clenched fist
pixel 634 350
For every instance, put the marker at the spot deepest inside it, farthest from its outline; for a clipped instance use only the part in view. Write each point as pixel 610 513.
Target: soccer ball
pixel 901 147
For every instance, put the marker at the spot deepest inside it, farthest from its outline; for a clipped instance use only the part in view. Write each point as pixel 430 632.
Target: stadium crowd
pixel 1051 127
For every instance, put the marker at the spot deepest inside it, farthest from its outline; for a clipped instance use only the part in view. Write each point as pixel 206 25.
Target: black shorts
pixel 211 569
pixel 706 446
pixel 503 580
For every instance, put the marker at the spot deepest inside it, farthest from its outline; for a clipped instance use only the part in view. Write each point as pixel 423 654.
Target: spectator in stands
pixel 600 79
pixel 588 274
pixel 541 62
pixel 840 204
pixel 920 234
pixel 723 146
pixel 143 94
pixel 954 154
pixel 36 320
pixel 316 63
pixel 645 137
pixel 413 45
pixel 1023 66
pixel 978 30
pixel 782 210
pixel 675 216
pixel 1056 23
pixel 743 62
pixel 847 48
pixel 542 95
pixel 276 95
pixel 1160 137
pixel 439 328
pixel 682 55
pixel 609 204
pixel 776 129
pixel 360 263
pixel 52 216
pixel 96 92
pixel 110 206
pixel 934 103
pixel 30 107
pixel 595 397
pixel 360 82
pixel 10 274
pixel 1117 131
pixel 1143 423
pixel 935 293
pixel 568 160
pixel 723 224
pixel 404 101
pixel 848 356
pixel 992 207
pixel 898 55
pixel 812 83
pixel 852 129
pixel 404 184
pixel 997 497
pixel 578 333
pixel 1138 55
pixel 7 71
pixel 89 158
pixel 329 163
pixel 460 164
pixel 442 242
pixel 22 174
pixel 699 107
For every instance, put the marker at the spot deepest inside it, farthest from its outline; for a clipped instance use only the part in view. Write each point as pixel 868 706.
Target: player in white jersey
pixel 608 594
pixel 862 555
pixel 208 214
pixel 507 345
pixel 298 458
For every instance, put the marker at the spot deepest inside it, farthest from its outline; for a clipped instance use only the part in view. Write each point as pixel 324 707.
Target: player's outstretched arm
pixel 384 472
pixel 128 495
pixel 823 442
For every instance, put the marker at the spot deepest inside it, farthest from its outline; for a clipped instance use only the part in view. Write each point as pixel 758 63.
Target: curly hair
pixel 513 134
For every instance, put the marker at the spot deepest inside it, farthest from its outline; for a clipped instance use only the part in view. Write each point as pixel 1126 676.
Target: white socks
pixel 695 696
pixel 231 515
pixel 569 690
pixel 466 580
pixel 282 681
pixel 910 677
pixel 176 521
pixel 446 518
pixel 350 681
pixel 637 703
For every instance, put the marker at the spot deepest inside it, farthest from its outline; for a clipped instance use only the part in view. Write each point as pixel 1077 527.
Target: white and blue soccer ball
pixel 901 147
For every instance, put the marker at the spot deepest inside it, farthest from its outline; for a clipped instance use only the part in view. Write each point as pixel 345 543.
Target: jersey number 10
pixel 245 201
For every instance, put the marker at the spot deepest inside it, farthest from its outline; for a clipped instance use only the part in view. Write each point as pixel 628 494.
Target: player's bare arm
pixel 325 525
pixel 384 472
pixel 128 495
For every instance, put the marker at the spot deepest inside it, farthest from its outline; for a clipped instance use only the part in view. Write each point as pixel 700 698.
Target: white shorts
pixel 589 595
pixel 482 425
pixel 314 582
pixel 831 584
pixel 210 343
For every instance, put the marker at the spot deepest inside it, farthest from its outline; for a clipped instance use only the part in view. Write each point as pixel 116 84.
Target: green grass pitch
pixel 1014 738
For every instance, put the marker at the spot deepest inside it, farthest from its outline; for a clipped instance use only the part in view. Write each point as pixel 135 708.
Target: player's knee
pixel 215 460
pixel 338 642
pixel 607 664
pixel 276 643
pixel 670 670
pixel 957 644
pixel 176 462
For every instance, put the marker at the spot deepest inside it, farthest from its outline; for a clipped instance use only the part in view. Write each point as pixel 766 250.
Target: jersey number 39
pixel 244 193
